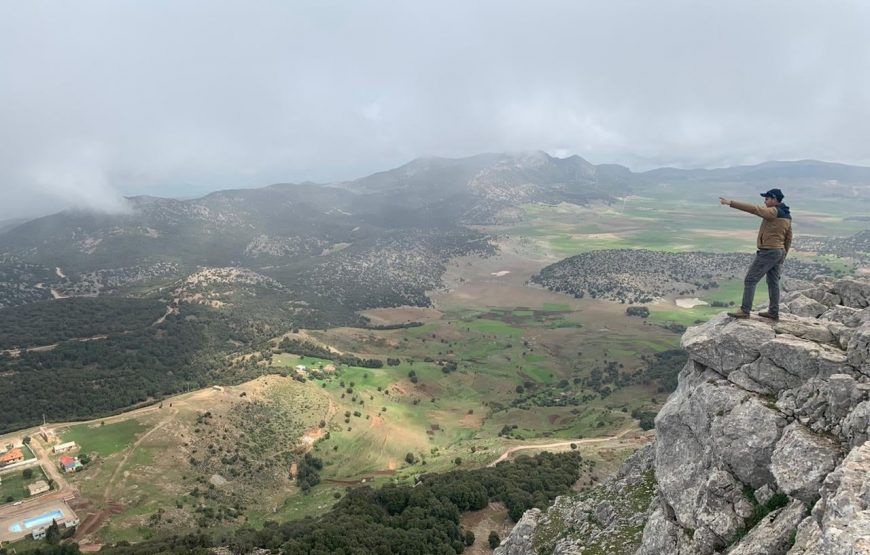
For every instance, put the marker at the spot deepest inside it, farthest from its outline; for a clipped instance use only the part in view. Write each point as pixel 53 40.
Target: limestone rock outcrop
pixel 608 518
pixel 763 447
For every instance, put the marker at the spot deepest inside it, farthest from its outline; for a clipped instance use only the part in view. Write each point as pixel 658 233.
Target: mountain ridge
pixel 467 166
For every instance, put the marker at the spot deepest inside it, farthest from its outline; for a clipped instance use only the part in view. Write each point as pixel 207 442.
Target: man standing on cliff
pixel 774 240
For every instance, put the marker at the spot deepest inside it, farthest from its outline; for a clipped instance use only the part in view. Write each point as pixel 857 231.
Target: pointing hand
pixel 723 200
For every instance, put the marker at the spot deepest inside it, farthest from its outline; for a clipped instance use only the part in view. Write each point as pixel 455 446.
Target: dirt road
pixel 504 456
pixel 107 492
pixel 42 453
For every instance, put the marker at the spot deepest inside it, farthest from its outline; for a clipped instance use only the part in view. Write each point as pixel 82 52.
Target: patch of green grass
pixel 14 484
pixel 555 307
pixel 537 373
pixel 298 506
pixel 495 327
pixel 105 440
pixel 28 453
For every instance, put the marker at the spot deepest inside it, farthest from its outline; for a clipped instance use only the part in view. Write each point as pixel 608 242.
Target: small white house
pixel 64 447
pixel 217 388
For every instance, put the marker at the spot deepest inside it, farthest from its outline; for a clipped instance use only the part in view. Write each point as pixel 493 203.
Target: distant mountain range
pixel 304 235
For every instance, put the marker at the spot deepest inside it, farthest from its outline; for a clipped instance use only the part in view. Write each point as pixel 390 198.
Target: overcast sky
pixel 104 98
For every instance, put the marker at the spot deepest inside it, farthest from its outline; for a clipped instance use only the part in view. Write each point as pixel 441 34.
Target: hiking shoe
pixel 739 314
pixel 767 314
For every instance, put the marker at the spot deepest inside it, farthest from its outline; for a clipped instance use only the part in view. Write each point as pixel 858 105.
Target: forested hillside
pixel 401 519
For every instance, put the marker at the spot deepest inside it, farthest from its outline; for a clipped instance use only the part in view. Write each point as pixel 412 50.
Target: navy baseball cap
pixel 774 193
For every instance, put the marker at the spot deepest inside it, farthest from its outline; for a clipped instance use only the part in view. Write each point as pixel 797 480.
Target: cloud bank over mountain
pixel 103 99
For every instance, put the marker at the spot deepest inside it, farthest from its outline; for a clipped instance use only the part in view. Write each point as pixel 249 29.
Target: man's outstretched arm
pixel 768 213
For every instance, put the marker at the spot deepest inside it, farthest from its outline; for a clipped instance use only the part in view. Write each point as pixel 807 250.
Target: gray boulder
pixel 822 296
pixel 859 349
pixel 743 439
pixel 801 461
pixel 764 377
pixel 790 284
pixel 724 343
pixel 662 535
pixel 801 305
pixel 823 405
pixel 804 359
pixel 840 521
pixel 721 510
pixel 855 428
pixel 710 425
pixel 854 293
pixel 522 537
pixel 804 328
pixel 773 534
pixel 844 315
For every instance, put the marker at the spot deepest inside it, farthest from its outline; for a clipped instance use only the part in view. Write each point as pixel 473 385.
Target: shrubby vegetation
pixel 639 311
pixel 855 246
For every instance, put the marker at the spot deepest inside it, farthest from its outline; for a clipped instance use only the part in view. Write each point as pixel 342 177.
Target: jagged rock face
pixel 606 519
pixel 522 537
pixel 840 521
pixel 762 419
pixel 761 450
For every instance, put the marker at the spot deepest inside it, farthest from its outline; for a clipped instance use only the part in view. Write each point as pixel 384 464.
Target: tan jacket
pixel 775 232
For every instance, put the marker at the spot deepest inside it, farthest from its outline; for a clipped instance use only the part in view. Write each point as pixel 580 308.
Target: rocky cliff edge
pixel 761 450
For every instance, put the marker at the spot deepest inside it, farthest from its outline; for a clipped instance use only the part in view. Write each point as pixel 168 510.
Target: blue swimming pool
pixel 36 522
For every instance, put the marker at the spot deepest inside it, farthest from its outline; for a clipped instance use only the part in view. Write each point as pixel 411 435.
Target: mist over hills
pixel 393 229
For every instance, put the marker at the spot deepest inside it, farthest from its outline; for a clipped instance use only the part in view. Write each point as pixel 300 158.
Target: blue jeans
pixel 768 262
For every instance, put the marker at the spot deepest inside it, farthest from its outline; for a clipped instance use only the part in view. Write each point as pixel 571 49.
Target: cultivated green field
pixel 104 440
pixel 668 222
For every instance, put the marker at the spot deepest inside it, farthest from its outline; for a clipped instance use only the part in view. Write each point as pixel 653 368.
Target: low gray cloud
pixel 109 98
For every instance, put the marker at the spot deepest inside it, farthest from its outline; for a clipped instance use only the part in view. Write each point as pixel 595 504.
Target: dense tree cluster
pixel 612 274
pixel 49 322
pixel 639 311
pixel 80 380
pixel 396 519
pixel 394 269
pixel 308 472
pixel 662 368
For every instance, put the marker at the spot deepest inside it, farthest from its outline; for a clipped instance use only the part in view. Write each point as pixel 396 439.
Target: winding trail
pixel 504 456
pixel 107 492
